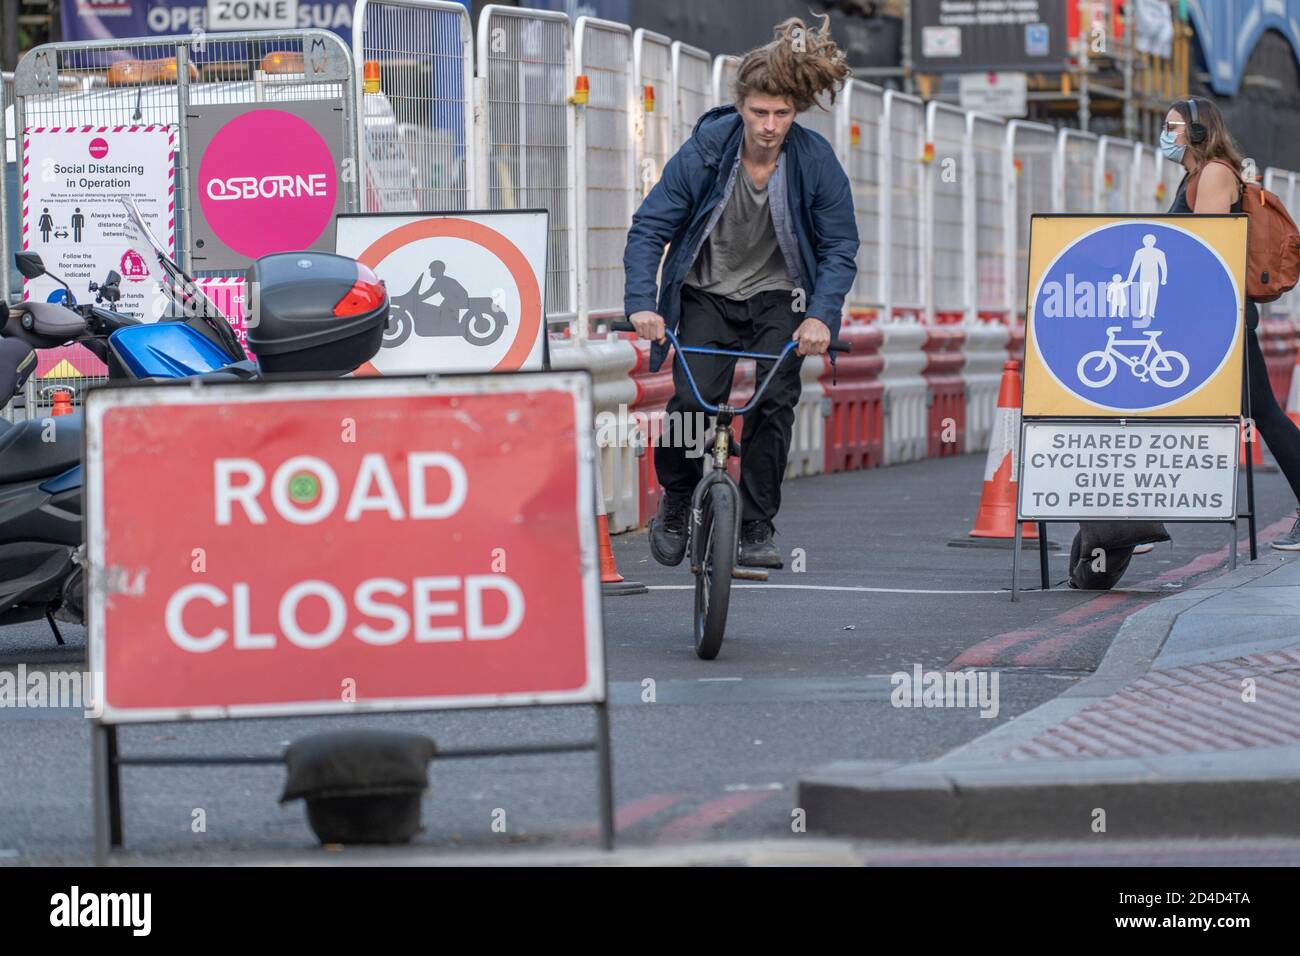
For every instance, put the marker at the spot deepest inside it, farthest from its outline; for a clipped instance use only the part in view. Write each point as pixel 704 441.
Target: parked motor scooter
pixel 311 312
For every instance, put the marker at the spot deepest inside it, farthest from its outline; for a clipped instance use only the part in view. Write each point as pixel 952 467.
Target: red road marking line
pixel 698 823
pixel 984 653
pixel 632 813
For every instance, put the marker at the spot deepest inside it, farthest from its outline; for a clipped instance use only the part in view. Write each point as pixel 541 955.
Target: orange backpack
pixel 1272 244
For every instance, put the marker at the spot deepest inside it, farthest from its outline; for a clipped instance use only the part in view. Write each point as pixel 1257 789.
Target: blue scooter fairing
pixel 166 350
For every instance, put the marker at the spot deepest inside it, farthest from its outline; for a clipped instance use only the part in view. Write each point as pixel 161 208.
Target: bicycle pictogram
pixel 1165 367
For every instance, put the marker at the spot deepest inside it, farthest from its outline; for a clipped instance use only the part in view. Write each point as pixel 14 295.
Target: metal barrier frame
pixel 1014 223
pixel 471 106
pixel 1063 165
pixel 481 123
pixel 724 70
pixel 966 186
pixel 887 214
pixel 1105 146
pixel 29 82
pixel 678 126
pixel 881 239
pixel 581 260
pixel 1005 189
pixel 639 38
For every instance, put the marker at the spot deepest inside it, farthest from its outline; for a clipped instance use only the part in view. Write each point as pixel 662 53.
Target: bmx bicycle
pixel 714 529
pixel 1165 367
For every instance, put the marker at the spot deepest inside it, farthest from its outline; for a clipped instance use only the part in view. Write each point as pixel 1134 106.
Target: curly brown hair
pixel 800 63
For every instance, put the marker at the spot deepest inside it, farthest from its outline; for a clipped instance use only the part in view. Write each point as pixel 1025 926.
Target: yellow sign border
pixel 1051 233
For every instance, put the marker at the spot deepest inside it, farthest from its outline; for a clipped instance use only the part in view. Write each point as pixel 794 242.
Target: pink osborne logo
pixel 267 183
pixel 98 147
pixel 133 266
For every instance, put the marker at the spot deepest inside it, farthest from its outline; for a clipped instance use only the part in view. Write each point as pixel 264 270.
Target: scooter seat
pixel 27 455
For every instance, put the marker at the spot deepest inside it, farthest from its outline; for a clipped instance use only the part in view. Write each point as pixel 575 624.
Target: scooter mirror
pixel 29 264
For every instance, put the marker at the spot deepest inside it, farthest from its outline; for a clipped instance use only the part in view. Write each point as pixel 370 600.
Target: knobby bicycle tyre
pixel 713 580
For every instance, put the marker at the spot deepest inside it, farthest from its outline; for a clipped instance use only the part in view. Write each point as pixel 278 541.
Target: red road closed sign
pixel 365 544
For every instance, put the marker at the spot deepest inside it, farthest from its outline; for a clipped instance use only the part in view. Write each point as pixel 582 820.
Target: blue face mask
pixel 1171 151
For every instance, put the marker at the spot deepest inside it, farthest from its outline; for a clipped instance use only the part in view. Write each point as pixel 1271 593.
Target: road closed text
pixel 313 614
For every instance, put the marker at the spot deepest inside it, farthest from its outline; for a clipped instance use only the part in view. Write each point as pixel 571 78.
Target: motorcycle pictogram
pixel 474 318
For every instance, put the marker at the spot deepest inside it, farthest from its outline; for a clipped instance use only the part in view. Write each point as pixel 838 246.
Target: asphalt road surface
pixel 803 679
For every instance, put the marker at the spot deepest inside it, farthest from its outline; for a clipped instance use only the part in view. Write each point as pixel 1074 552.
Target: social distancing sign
pixel 1135 316
pixel 362 544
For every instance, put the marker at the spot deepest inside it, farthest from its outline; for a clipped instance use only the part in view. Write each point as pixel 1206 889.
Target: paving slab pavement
pixel 1190 727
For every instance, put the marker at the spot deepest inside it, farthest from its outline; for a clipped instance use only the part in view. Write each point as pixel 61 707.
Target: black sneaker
pixel 757 549
pixel 668 530
pixel 1291 540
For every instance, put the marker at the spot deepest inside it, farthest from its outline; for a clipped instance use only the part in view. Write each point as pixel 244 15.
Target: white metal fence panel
pixel 864 161
pixel 692 90
pixel 603 53
pixel 1114 184
pixel 156 81
pixel 824 118
pixel 1035 163
pixel 525 67
pixel 948 181
pixel 724 78
pixel 1286 185
pixel 652 67
pixel 1077 183
pixel 423 52
pixel 1147 195
pixel 992 173
pixel 904 130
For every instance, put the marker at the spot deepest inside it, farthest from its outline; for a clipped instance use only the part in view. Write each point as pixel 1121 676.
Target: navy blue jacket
pixel 678 212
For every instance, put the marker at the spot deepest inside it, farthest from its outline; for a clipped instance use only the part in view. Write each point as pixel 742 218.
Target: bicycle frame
pixel 721 449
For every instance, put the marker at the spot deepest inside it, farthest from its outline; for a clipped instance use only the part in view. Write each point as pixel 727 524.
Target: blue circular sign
pixel 1134 316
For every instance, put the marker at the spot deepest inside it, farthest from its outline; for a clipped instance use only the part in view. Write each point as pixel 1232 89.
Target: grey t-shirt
pixel 741 257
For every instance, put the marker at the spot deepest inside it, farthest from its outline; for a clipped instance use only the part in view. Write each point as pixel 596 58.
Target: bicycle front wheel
pixel 713 579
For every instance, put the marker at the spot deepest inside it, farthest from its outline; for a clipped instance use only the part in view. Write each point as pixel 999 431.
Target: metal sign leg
pixel 606 771
pixel 1042 556
pixel 1015 564
pixel 99 786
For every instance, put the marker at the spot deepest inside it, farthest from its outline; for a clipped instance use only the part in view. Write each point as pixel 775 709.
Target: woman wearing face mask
pixel 1195 136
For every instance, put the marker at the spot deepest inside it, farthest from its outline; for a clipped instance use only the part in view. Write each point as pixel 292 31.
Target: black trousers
pixel 1272 423
pixel 763 323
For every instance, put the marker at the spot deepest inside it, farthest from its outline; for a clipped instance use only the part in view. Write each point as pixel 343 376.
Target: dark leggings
pixel 1277 430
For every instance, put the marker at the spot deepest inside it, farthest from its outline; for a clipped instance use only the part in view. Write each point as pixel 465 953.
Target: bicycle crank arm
pixel 749 574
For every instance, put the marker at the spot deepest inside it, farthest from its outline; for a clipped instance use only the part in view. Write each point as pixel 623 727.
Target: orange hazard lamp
pixel 283 61
pixel 581 90
pixel 1110 179
pixel 62 404
pixel 1160 190
pixel 139 72
pixel 1018 165
pixel 855 134
pixel 370 76
pixel 648 97
pixel 927 154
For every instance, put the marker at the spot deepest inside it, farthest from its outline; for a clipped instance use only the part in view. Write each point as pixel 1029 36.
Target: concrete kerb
pixel 973 793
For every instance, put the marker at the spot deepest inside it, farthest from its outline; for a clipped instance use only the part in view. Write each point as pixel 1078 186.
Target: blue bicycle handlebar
pixel 681 351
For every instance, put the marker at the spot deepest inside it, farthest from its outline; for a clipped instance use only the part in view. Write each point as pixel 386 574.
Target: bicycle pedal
pixel 749 574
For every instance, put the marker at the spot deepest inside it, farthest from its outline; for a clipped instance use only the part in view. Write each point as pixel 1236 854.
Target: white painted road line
pixel 821 587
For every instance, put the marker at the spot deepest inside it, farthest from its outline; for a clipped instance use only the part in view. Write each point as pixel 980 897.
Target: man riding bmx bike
pixel 757 214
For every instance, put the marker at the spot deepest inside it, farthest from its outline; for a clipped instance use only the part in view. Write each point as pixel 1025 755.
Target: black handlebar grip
pixel 621 325
pixel 839 345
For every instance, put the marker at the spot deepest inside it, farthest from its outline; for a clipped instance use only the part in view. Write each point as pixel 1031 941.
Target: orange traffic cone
pixel 997 512
pixel 611 582
pixel 62 404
